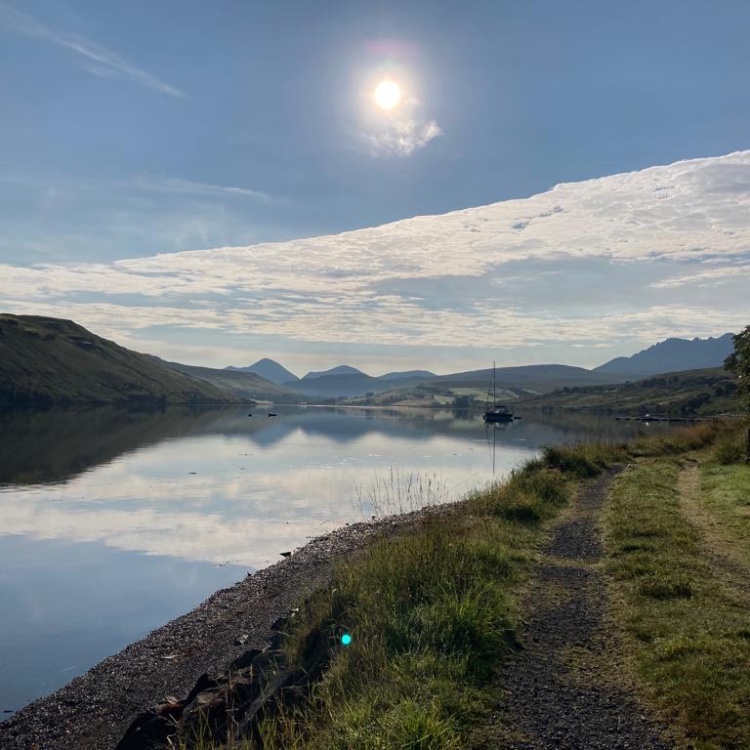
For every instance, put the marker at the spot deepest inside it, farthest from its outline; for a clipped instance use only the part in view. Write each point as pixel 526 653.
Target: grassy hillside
pixel 540 378
pixel 512 383
pixel 46 361
pixel 694 392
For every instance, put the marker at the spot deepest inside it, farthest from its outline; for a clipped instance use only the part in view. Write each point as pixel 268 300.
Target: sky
pixel 219 182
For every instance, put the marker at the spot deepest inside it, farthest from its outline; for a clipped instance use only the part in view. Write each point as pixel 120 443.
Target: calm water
pixel 113 523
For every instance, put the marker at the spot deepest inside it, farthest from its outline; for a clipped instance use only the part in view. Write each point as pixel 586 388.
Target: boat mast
pixel 491 387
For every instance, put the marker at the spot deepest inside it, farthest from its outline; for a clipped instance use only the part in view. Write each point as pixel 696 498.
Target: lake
pixel 113 523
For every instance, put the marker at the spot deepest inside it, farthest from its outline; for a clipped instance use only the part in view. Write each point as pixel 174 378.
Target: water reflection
pixel 218 487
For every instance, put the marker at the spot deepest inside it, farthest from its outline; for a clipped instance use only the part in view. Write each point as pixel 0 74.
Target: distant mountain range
pixel 348 382
pixel 334 372
pixel 343 381
pixel 46 361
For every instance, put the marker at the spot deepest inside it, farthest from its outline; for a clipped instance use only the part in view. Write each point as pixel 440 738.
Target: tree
pixel 739 363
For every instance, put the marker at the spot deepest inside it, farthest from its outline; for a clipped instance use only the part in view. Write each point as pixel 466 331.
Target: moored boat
pixel 496 412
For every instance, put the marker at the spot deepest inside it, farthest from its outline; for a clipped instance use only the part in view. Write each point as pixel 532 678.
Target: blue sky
pixel 135 130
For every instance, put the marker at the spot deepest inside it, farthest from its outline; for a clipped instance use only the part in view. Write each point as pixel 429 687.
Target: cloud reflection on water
pixel 231 497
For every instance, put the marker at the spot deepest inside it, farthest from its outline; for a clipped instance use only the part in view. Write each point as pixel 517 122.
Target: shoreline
pixel 94 710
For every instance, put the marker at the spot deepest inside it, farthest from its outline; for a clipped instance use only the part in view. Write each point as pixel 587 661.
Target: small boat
pixel 498 413
pixel 272 414
pixel 495 413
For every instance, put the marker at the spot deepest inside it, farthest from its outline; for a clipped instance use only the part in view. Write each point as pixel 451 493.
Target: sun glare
pixel 387 95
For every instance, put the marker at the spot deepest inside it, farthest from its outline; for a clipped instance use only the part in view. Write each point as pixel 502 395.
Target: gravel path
pixel 93 711
pixel 562 691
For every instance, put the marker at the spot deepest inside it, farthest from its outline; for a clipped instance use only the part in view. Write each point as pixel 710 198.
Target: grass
pixel 682 440
pixel 431 613
pixel 681 603
pixel 726 495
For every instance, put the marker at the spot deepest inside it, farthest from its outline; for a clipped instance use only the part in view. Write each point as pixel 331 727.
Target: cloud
pixel 709 277
pixel 99 60
pixel 232 515
pixel 178 186
pixel 403 137
pixel 630 257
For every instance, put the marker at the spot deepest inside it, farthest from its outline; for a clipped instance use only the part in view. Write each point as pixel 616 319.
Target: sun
pixel 387 95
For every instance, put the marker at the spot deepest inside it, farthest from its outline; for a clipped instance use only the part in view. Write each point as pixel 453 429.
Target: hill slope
pixel 689 393
pixel 530 377
pixel 46 361
pixel 673 355
pixel 243 384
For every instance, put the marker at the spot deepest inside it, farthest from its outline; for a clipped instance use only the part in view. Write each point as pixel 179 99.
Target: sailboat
pixel 495 412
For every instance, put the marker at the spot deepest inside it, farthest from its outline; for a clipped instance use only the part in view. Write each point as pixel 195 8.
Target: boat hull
pixel 497 417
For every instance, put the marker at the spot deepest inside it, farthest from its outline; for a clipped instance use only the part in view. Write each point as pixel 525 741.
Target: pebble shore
pixel 93 711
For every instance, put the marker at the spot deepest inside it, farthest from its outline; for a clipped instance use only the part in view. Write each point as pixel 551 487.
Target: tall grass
pixel 681 440
pixel 399 493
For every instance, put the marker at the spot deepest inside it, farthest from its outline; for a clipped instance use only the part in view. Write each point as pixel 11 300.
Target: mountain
pixel 513 382
pixel 672 355
pixel 349 382
pixel 347 385
pixel 335 371
pixel 50 361
pixel 269 370
pixel 242 385
pixel 424 374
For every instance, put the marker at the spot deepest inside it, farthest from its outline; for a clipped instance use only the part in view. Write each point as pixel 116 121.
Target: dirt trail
pixel 563 691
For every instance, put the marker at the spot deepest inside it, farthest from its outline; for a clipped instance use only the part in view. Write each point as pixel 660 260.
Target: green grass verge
pixel 432 613
pixel 689 627
pixel 726 492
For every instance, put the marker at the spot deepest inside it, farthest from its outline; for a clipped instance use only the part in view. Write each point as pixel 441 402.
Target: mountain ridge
pixel 672 355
